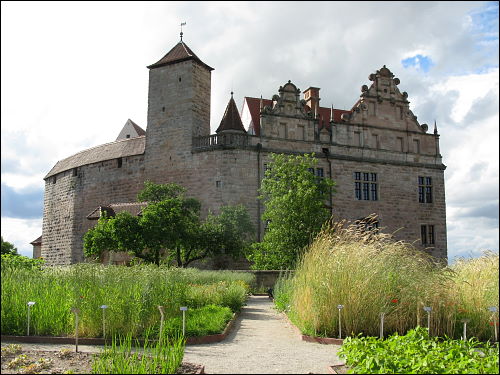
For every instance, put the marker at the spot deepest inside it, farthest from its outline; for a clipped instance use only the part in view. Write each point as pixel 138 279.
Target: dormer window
pixel 128 135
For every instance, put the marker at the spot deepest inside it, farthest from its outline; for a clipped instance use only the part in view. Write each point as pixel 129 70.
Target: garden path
pixel 262 341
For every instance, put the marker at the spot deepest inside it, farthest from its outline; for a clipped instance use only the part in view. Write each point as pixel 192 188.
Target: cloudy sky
pixel 73 73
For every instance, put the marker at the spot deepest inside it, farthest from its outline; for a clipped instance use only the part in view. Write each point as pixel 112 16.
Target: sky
pixel 73 73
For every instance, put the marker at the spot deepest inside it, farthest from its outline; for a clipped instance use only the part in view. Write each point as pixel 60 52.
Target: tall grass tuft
pixel 162 357
pixel 371 273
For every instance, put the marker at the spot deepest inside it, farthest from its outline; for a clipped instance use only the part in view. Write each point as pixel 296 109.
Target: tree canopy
pixel 170 227
pixel 295 210
pixel 8 248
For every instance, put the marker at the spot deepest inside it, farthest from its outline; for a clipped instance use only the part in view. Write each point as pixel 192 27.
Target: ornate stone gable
pixel 287 103
pixel 383 104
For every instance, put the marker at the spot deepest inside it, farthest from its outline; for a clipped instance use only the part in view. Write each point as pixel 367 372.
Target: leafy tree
pixel 8 248
pixel 157 192
pixel 295 210
pixel 170 222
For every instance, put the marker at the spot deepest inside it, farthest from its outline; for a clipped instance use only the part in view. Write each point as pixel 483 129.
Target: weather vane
pixel 182 24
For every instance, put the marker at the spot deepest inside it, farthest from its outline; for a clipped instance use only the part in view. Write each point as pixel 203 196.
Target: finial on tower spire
pixel 182 24
pixel 435 127
pixel 331 114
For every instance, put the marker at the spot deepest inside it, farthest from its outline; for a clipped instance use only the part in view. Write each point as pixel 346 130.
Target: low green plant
pixel 418 353
pixel 206 320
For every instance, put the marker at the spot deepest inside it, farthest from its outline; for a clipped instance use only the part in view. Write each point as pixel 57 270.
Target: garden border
pixel 317 339
pixel 101 341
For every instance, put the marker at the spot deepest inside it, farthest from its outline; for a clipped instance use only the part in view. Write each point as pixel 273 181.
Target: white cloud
pixel 20 232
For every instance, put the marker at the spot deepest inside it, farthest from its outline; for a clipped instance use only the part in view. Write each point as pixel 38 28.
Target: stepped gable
pixel 108 151
pixel 134 208
pixel 180 52
pixel 231 119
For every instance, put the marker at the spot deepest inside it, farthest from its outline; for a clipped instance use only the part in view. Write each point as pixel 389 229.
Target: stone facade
pixel 381 158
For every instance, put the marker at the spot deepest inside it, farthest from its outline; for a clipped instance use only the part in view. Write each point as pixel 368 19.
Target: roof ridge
pixel 104 144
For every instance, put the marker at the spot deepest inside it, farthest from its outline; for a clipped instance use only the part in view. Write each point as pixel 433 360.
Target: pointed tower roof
pixel 231 119
pixel 180 52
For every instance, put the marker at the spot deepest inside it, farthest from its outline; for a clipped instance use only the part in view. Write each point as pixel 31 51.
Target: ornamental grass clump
pixel 474 291
pixel 369 273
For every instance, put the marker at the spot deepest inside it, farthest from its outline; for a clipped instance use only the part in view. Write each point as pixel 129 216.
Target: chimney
pixel 311 96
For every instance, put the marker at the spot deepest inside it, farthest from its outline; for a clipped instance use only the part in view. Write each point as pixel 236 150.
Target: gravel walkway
pixel 263 342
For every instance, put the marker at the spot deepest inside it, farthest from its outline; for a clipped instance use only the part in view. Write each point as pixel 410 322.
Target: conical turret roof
pixel 231 119
pixel 180 52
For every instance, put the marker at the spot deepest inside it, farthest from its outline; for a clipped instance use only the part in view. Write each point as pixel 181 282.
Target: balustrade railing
pixel 220 140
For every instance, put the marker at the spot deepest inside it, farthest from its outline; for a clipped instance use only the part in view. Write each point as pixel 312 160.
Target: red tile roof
pixel 254 108
pixel 231 119
pixel 323 112
pixel 180 52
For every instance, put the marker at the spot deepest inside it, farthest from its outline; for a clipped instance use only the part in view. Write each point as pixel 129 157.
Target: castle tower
pixel 178 110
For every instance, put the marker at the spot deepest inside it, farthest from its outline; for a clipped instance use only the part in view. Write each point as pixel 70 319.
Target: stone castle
pixel 382 159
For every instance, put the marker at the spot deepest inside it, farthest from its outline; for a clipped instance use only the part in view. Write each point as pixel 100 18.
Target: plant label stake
pixel 162 313
pixel 494 309
pixel 340 307
pixel 103 307
pixel 183 309
pixel 76 312
pixel 29 307
pixel 428 310
pixel 382 325
pixel 465 321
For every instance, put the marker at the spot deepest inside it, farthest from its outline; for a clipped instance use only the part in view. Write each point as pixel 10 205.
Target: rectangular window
pixel 357 187
pixel 119 162
pixel 424 189
pixel 366 192
pixel 365 186
pixel 218 184
pixel 319 172
pixel 427 234
pixel 423 234
pixel 75 172
pixel 311 170
pixel 374 192
pixel 431 234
